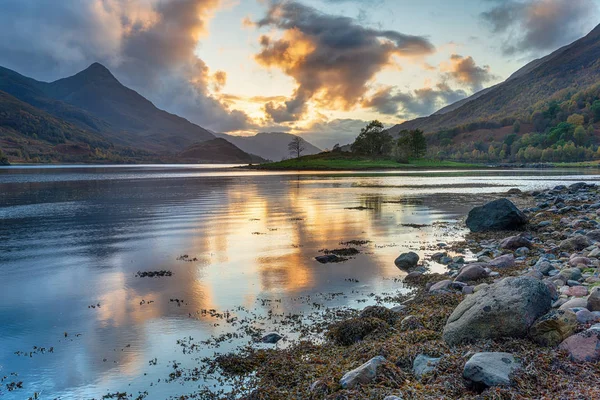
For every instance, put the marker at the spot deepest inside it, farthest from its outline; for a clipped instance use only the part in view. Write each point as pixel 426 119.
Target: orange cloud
pixel 332 59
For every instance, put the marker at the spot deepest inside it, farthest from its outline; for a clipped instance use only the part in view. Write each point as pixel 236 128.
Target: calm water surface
pixel 72 237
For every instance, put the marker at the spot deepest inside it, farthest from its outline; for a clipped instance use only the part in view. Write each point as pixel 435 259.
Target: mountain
pixel 572 68
pixel 269 145
pixel 216 151
pixel 95 100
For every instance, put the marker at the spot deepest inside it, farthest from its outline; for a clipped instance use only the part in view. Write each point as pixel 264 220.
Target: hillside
pixel 92 117
pixel 269 145
pixel 28 134
pixel 571 69
pixel 96 101
pixel 216 151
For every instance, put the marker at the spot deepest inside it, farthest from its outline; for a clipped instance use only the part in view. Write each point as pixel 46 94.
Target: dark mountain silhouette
pixel 218 150
pixel 572 68
pixel 93 113
pixel 269 145
pixel 94 99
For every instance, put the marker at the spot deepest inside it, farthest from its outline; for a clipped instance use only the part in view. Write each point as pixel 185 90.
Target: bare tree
pixel 296 147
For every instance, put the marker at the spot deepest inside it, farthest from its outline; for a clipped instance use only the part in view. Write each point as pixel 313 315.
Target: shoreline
pixel 414 328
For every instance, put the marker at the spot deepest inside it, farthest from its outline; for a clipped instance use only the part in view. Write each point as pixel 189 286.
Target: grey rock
pixel 593 300
pixel 407 261
pixel 363 374
pixel 585 316
pixel 471 273
pixel 504 261
pixel 485 370
pixel 505 309
pixel 271 338
pixel 499 214
pixel 575 243
pixel 574 303
pixel 514 242
pixel 424 364
pixel 441 286
pixel 328 258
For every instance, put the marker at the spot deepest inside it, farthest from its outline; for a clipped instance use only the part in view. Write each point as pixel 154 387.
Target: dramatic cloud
pixel 420 102
pixel 148 44
pixel 534 26
pixel 466 72
pixel 332 58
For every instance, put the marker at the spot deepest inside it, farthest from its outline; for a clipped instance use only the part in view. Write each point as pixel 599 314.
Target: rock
pixel 411 323
pixel 514 242
pixel 437 256
pixel 485 370
pixel 441 286
pixel 578 302
pixel 575 261
pixel 571 274
pixel 577 291
pixel 363 374
pixel 505 309
pixel 551 329
pixel 543 266
pixel 353 330
pixel 584 346
pixel 593 300
pixel 575 243
pixel 392 398
pixel 552 288
pixel 471 273
pixel 497 215
pixel 424 364
pixel 271 338
pixel 514 191
pixel 505 261
pixel 328 258
pixel 398 309
pixel 594 253
pixel 412 276
pixel 585 316
pixel 594 235
pixel 407 261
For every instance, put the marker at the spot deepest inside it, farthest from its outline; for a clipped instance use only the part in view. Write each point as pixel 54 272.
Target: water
pixel 73 237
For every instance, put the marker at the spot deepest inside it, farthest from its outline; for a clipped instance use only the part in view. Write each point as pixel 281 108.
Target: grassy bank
pixel 348 161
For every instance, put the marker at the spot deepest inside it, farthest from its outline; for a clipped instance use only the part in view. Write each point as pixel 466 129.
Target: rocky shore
pixel 519 319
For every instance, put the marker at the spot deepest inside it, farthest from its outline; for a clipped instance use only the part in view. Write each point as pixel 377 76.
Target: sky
pixel 317 68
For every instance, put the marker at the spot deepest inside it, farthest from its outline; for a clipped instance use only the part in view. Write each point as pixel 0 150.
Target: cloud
pixel 420 102
pixel 148 44
pixel 465 71
pixel 332 58
pixel 535 26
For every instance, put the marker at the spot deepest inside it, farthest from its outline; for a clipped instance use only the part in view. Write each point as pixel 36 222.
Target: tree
pixel 373 140
pixel 596 110
pixel 413 142
pixel 576 119
pixel 517 126
pixel 296 146
pixel 580 135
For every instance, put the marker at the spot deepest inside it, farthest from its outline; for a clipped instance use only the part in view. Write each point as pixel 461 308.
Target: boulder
pixel 594 235
pixel 575 261
pixel 497 215
pixel 593 300
pixel 424 364
pixel 471 273
pixel 551 329
pixel 571 274
pixel 407 261
pixel 577 291
pixel 505 309
pixel 584 346
pixel 363 374
pixel 271 338
pixel 575 243
pixel 504 261
pixel 514 242
pixel 485 370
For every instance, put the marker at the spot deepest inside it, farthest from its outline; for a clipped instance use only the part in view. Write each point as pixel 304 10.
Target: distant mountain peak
pixel 97 71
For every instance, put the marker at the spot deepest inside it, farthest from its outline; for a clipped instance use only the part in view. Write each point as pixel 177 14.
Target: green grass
pixel 348 161
pixel 580 164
